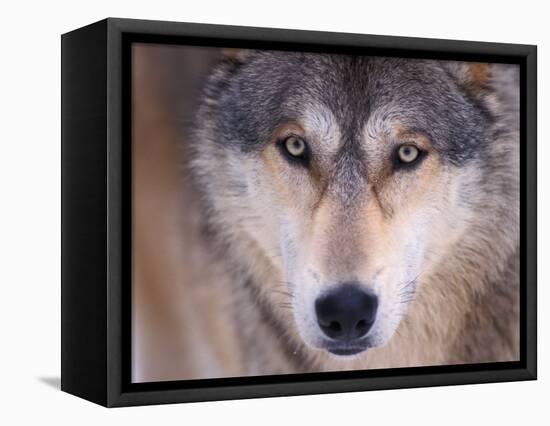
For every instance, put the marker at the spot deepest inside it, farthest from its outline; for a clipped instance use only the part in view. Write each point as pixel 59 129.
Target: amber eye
pixel 295 146
pixel 408 153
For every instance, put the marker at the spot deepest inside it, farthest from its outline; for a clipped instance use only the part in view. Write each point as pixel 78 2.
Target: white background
pixel 30 211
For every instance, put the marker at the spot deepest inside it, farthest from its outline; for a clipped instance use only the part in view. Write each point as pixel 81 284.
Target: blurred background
pixel 171 270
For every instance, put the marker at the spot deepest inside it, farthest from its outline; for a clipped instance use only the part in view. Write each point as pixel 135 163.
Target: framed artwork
pixel 252 212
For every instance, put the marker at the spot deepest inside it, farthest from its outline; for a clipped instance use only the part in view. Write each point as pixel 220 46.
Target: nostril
pixel 335 326
pixel 361 328
pixel 332 329
pixel 361 324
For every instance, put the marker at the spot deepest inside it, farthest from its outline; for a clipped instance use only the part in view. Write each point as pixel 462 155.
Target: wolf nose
pixel 347 312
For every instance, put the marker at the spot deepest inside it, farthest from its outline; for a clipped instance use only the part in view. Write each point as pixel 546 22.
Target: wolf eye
pixel 408 153
pixel 295 150
pixel 295 146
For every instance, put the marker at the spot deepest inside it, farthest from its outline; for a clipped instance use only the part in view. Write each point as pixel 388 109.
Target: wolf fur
pixel 438 244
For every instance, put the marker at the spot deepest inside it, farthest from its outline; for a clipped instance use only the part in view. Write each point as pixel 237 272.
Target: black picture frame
pixel 96 225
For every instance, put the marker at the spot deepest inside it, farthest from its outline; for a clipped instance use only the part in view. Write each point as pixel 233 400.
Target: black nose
pixel 346 312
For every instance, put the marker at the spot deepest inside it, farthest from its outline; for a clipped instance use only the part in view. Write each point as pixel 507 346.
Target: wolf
pixel 365 210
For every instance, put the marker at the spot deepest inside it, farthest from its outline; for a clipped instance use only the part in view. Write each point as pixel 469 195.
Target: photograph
pixel 275 213
pixel 306 212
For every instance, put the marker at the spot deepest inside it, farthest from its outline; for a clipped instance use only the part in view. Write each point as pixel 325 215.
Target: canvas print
pixel 298 212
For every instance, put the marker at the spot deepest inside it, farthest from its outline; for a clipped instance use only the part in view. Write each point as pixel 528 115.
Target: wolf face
pixel 340 184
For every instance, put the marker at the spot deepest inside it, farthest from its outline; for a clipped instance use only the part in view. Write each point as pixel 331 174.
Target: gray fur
pixel 250 99
pixel 473 132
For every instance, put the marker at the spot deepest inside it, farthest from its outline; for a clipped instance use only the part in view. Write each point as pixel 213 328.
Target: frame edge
pixel 83 213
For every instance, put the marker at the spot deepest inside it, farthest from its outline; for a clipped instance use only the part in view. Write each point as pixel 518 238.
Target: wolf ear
pixel 235 55
pixel 474 77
